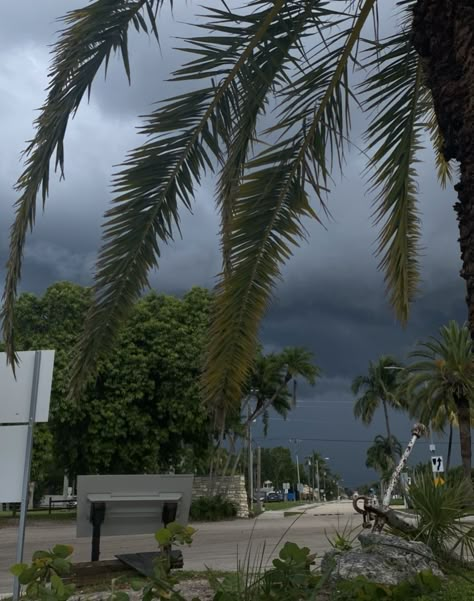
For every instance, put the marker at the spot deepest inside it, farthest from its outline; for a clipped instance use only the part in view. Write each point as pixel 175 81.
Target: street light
pixel 318 483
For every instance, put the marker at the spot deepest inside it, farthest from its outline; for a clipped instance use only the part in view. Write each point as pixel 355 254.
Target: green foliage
pixel 361 589
pixel 442 513
pixel 212 509
pixel 378 387
pixel 240 63
pixel 175 534
pixel 271 377
pixel 440 383
pixel 290 577
pixel 343 540
pixel 278 466
pixel 43 578
pixel 380 456
pixel 144 411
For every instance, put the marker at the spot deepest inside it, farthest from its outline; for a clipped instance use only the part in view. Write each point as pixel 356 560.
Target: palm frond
pixel 92 34
pixel 266 69
pixel 185 137
pixel 395 93
pixel 444 168
pixel 267 218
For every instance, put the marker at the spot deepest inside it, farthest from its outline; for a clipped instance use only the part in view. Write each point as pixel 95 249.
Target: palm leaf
pixel 92 34
pixel 267 67
pixel 184 138
pixel 395 93
pixel 444 168
pixel 266 224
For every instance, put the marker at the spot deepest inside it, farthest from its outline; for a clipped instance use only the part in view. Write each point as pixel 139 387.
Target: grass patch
pixel 56 515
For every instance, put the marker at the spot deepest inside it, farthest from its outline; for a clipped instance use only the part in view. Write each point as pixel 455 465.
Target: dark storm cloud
pixel 331 298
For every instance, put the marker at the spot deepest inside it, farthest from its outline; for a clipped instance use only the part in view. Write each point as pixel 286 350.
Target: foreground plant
pixel 43 578
pixel 443 517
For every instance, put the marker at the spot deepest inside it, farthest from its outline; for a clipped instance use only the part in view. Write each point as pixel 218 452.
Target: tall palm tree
pixel 382 455
pixel 272 378
pixel 296 55
pixel 379 388
pixel 444 376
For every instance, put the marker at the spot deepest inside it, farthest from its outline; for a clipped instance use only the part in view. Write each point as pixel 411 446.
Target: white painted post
pixel 27 470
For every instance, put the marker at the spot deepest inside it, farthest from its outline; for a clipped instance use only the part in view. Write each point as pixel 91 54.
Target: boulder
pixel 381 558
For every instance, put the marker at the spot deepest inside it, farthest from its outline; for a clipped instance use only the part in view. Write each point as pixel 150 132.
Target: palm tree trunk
pixel 442 35
pixel 450 446
pixel 269 402
pixel 464 419
pixel 443 38
pixel 389 433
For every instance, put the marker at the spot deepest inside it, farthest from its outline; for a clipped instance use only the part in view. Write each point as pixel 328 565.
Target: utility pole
pixel 317 480
pixel 250 458
pixel 259 478
pixel 298 471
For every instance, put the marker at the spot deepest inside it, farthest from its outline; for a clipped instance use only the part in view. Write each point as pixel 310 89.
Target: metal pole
pixel 317 480
pixel 27 470
pixel 250 460
pixel 416 433
pixel 259 477
pixel 298 470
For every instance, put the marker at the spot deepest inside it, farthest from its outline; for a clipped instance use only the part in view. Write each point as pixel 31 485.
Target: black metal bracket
pixel 96 518
pixel 169 513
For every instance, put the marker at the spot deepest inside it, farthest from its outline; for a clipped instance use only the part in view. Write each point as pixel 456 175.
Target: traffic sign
pixel 437 464
pixel 439 481
pixel 286 486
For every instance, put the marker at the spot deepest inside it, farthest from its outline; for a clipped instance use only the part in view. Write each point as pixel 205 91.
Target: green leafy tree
pixel 379 388
pixel 441 379
pixel 296 55
pixel 145 408
pixel 278 466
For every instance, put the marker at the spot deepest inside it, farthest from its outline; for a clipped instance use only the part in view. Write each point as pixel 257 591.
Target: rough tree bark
pixel 443 35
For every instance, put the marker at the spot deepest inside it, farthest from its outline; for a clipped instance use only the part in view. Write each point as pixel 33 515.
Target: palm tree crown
pixel 381 456
pixel 442 380
pixel 296 55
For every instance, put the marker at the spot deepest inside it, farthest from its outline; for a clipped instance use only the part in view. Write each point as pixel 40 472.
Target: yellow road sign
pixel 439 481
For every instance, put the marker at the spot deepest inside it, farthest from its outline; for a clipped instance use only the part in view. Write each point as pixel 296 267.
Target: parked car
pixel 274 497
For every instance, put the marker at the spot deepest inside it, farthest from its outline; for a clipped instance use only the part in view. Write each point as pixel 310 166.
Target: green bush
pixel 442 512
pixel 212 509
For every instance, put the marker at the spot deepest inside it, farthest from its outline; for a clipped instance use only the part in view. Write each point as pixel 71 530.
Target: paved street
pixel 216 545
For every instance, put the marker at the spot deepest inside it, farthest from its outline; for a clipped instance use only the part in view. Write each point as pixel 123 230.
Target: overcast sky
pixel 331 298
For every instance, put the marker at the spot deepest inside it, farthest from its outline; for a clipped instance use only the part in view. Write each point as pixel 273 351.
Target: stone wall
pixel 232 487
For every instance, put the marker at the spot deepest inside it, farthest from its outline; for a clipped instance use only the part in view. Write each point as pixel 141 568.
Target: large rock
pixel 382 558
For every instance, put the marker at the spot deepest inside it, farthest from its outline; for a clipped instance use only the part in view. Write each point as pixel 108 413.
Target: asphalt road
pixel 217 545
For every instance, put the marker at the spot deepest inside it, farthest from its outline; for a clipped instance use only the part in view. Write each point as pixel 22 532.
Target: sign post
pixel 437 465
pixel 24 400
pixel 27 470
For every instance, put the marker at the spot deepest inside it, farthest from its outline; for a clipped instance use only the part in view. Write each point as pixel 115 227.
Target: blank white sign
pixel 15 395
pixel 12 462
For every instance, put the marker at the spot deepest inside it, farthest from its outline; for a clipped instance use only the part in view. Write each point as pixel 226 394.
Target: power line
pixel 348 440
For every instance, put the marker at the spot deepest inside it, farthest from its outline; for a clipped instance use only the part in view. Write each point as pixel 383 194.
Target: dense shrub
pixel 212 509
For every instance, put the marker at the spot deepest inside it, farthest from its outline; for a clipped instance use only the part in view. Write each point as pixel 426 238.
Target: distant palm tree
pixel 444 377
pixel 382 455
pixel 272 377
pixel 379 388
